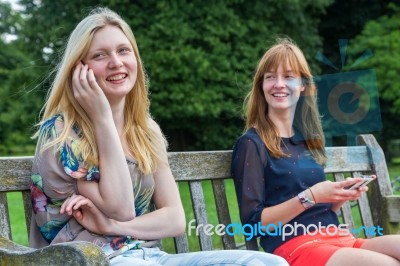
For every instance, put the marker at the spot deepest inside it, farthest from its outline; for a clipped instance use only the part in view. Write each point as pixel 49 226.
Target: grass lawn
pixel 19 231
pixel 17 218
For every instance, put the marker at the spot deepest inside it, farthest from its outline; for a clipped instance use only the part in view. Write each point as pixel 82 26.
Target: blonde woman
pixel 101 159
pixel 278 174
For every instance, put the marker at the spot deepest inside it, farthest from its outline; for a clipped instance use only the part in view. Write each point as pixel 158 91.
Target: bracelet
pixel 306 202
pixel 315 199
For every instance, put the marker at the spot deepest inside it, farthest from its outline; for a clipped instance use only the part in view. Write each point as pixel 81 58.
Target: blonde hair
pixel 145 140
pixel 307 118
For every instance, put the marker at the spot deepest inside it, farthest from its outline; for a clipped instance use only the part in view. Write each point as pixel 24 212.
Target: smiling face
pixel 113 61
pixel 282 89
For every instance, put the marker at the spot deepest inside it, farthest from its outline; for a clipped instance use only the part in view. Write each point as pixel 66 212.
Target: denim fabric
pixel 154 256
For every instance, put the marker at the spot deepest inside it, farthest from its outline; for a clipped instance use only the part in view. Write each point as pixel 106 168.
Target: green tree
pixel 382 37
pixel 200 55
pixel 16 102
pixel 345 19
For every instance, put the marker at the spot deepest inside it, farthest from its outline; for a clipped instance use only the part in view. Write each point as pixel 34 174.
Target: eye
pixel 124 50
pixel 99 55
pixel 268 76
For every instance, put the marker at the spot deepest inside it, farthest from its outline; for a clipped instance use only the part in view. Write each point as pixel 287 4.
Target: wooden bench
pixel 380 207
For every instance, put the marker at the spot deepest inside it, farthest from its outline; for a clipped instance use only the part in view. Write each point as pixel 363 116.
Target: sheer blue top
pixel 263 181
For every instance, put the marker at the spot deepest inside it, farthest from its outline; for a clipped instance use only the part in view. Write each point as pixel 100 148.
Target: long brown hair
pixel 307 119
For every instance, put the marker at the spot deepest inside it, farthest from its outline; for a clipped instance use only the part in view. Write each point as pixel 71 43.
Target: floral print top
pixel 54 178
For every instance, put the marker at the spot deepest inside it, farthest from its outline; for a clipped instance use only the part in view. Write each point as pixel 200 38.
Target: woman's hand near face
pixel 89 94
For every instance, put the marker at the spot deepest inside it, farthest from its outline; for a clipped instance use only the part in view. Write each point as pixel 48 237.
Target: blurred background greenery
pixel 200 57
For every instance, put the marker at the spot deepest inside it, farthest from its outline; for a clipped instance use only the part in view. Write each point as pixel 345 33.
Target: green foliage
pixel 16 104
pixel 382 37
pixel 345 20
pixel 200 58
pixel 199 55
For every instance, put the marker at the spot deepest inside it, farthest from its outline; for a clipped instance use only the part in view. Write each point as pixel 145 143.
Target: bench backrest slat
pixel 223 213
pixel 346 207
pixel 26 198
pixel 203 165
pixel 200 213
pixel 15 173
pixel 5 228
pixel 181 244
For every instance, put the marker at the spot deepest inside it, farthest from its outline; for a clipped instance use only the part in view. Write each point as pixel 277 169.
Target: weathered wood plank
pixel 223 211
pixel 381 188
pixel 67 254
pixel 378 163
pixel 26 198
pixel 200 213
pixel 15 173
pixel 5 228
pixel 200 165
pixel 393 206
pixel 181 244
pixel 347 159
pixel 365 212
pixel 346 208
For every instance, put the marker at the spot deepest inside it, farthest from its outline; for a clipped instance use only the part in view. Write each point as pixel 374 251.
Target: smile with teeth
pixel 117 77
pixel 280 94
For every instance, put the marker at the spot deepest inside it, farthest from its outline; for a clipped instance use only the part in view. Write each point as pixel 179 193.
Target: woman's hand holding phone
pixel 366 180
pixel 89 94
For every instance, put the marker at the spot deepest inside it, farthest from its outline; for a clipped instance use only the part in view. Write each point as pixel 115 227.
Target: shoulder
pixel 55 122
pixel 153 126
pixel 156 131
pixel 50 128
pixel 249 136
pixel 157 137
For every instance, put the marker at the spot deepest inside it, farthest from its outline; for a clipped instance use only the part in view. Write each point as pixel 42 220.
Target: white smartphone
pixel 364 182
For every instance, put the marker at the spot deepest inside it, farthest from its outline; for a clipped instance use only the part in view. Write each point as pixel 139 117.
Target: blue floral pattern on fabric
pixel 50 229
pixel 67 166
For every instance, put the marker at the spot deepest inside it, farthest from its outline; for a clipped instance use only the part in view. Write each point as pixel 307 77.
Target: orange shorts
pixel 315 249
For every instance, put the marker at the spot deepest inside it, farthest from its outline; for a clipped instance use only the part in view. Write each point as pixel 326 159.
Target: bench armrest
pixel 393 203
pixel 70 253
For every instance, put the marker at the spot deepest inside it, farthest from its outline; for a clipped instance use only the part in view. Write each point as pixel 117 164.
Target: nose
pixel 280 82
pixel 115 61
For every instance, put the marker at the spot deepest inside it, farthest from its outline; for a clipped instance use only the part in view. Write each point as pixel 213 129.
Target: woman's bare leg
pixel 384 250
